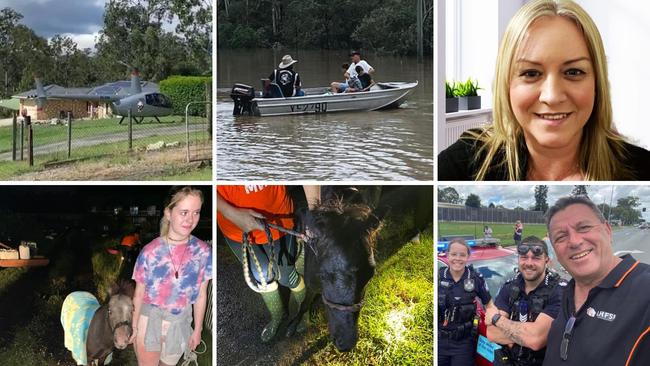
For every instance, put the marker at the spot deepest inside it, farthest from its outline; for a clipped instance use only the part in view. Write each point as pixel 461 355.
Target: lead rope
pixel 246 249
pixel 193 356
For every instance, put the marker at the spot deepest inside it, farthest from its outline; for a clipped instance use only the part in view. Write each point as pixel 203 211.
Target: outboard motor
pixel 242 95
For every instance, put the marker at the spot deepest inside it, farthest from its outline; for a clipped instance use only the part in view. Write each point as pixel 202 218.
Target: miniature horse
pixel 92 331
pixel 339 262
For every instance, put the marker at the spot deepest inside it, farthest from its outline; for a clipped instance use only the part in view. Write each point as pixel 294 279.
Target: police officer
pixel 525 307
pixel 458 287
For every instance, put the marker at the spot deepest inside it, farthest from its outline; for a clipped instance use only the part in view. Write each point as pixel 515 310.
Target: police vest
pixel 460 311
pixel 536 303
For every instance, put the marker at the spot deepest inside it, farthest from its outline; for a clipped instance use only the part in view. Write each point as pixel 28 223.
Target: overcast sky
pixel 512 195
pixel 80 20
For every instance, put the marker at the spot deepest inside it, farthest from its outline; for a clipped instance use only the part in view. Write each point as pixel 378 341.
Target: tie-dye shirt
pixel 155 270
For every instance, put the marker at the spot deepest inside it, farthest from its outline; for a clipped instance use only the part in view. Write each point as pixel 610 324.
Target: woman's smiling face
pixel 553 85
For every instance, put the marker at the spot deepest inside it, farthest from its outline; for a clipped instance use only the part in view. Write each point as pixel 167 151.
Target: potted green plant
pixel 452 100
pixel 467 93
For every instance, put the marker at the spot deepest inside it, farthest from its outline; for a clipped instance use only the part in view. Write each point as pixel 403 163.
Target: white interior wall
pixel 625 29
pixel 472 37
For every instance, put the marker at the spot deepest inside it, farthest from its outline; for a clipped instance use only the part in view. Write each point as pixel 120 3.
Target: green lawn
pixel 500 231
pixel 111 153
pixel 396 322
pixel 56 133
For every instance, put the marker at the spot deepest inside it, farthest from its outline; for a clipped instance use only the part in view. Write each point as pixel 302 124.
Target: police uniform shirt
pixel 456 289
pixel 613 325
pixel 551 308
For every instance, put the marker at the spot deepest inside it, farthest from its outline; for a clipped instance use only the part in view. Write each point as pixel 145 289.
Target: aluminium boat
pixel 318 100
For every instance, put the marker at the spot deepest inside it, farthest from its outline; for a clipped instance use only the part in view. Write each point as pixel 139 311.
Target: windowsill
pixel 468 113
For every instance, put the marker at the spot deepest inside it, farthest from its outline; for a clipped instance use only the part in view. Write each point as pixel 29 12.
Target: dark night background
pixel 75 228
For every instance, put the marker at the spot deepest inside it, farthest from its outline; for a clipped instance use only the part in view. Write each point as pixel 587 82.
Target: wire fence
pixel 199 139
pixel 64 139
pixel 489 215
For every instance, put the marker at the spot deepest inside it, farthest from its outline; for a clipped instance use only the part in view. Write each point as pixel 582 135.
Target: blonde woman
pixel 552 110
pixel 171 275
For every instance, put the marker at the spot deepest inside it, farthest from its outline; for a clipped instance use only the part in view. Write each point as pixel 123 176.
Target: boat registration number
pixel 309 107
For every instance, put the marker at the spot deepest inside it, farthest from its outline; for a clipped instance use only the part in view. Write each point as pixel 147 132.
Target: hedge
pixel 185 89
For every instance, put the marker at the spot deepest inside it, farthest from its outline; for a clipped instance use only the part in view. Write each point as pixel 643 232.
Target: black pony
pixel 339 262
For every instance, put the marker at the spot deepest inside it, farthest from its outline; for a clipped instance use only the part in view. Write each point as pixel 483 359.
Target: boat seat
pixel 270 89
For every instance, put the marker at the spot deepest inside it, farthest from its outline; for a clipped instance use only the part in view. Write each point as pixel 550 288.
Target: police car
pixel 497 265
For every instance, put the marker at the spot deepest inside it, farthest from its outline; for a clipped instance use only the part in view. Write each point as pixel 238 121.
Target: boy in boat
pixel 364 77
pixel 340 87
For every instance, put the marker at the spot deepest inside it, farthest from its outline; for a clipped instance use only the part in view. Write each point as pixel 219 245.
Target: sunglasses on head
pixel 537 249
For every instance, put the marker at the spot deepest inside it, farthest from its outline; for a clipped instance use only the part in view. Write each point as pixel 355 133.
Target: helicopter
pixel 140 104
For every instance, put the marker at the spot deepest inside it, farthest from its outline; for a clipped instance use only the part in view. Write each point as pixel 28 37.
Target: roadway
pixel 633 241
pixel 77 142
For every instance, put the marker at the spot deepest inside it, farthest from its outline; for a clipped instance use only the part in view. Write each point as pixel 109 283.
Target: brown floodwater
pixel 394 145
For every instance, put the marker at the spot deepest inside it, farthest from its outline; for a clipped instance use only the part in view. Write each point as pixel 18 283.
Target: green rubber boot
pixel 295 300
pixel 273 302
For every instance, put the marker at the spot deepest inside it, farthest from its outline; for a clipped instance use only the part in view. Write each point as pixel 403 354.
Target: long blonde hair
pixel 176 194
pixel 601 148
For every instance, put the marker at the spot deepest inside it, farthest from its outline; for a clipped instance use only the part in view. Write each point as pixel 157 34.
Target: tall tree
pixel 449 195
pixel 541 192
pixel 626 210
pixel 10 76
pixel 580 190
pixel 473 201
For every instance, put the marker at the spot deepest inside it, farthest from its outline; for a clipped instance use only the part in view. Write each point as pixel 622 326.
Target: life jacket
pixel 457 315
pixel 536 303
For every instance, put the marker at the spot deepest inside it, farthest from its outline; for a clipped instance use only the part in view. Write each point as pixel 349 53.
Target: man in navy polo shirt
pixel 525 307
pixel 605 314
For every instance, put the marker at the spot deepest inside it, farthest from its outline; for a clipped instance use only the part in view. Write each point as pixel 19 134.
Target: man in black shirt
pixel 287 79
pixel 605 314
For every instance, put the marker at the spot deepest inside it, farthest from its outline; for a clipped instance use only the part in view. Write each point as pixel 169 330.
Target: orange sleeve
pixel 271 201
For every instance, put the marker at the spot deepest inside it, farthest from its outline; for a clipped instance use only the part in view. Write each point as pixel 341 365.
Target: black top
pixel 287 79
pixel 458 162
pixel 455 293
pixel 551 307
pixel 365 80
pixel 614 317
pixel 545 298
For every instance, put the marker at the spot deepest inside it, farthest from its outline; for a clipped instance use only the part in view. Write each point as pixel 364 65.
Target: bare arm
pixel 495 334
pixel 244 218
pixel 199 314
pixel 529 334
pixel 137 307
pixel 312 193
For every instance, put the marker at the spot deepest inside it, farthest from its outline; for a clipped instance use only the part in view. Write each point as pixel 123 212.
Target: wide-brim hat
pixel 287 61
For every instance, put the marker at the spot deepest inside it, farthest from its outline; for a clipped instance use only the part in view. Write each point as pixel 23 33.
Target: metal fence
pixel 199 132
pixel 63 139
pixel 489 215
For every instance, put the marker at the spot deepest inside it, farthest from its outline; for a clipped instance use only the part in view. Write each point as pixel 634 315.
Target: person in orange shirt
pixel 271 260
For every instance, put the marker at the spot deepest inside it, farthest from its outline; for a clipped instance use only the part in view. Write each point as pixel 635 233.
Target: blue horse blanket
pixel 77 312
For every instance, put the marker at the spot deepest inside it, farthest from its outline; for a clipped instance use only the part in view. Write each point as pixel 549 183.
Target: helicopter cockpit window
pixel 158 100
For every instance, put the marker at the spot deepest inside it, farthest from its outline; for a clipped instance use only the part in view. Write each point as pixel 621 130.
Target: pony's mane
pixel 123 287
pixel 336 208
